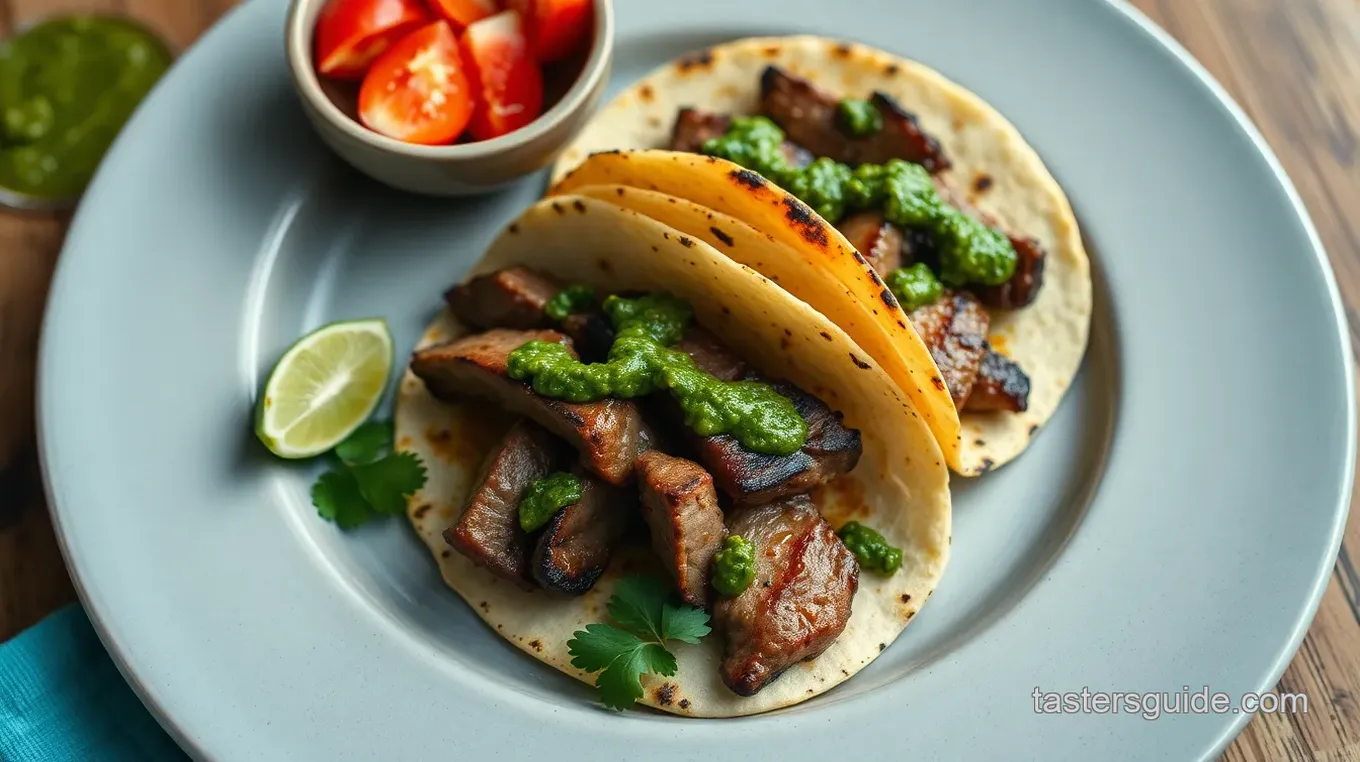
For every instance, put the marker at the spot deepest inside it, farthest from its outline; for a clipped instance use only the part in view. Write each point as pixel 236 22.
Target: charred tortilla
pixel 900 484
pixel 990 166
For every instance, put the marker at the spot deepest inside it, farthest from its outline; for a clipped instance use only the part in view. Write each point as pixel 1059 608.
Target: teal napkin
pixel 62 700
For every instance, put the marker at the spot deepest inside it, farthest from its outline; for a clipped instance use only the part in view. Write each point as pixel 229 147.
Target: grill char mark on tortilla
pixel 799 602
pixel 608 434
pixel 681 510
pixel 488 530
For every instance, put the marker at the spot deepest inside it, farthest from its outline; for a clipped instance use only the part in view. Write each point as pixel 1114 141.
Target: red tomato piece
pixel 557 28
pixel 464 12
pixel 507 84
pixel 418 90
pixel 351 34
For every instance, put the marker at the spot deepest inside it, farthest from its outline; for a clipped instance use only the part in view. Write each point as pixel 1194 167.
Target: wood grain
pixel 1294 65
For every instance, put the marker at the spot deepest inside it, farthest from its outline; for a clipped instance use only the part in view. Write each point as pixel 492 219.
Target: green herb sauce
pixel 970 252
pixel 914 286
pixel 858 119
pixel 641 362
pixel 871 549
pixel 570 300
pixel 546 496
pixel 734 566
pixel 66 88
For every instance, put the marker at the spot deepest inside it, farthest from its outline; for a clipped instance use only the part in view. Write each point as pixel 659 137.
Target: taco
pixel 943 207
pixel 715 406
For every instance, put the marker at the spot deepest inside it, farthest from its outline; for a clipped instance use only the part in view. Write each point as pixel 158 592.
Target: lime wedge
pixel 324 387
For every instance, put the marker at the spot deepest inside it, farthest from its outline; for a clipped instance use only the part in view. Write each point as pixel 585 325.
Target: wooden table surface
pixel 1294 65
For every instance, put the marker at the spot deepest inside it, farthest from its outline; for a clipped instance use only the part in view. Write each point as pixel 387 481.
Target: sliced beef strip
pixel 686 523
pixel 799 602
pixel 591 334
pixel 509 298
pixel 1023 287
pixel 1000 385
pixel 515 297
pixel 880 241
pixel 808 117
pixel 575 546
pixel 751 478
pixel 488 530
pixel 954 328
pixel 711 355
pixel 609 434
pixel 693 128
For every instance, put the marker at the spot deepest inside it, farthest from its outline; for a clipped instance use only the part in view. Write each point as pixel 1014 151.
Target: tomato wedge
pixel 464 12
pixel 351 34
pixel 418 91
pixel 557 28
pixel 507 84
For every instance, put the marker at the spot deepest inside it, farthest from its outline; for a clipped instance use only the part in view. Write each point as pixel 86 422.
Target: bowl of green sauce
pixel 67 86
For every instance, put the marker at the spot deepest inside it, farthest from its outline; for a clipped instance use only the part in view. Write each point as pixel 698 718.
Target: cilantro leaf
pixel 385 483
pixel 647 617
pixel 337 497
pixel 620 684
pixel 366 444
pixel 686 624
pixel 636 606
pixel 598 645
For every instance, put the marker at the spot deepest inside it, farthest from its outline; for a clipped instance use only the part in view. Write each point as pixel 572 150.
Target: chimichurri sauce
pixel 970 252
pixel 546 496
pixel 67 86
pixel 641 362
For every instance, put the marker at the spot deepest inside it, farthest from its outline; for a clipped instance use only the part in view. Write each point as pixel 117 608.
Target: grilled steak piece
pixel 608 434
pixel 515 298
pixel 488 530
pixel 712 356
pixel 1000 385
pixel 682 512
pixel 800 599
pixel 955 330
pixel 509 298
pixel 591 334
pixel 693 128
pixel 752 478
pixel 808 117
pixel 880 241
pixel 1024 285
pixel 574 548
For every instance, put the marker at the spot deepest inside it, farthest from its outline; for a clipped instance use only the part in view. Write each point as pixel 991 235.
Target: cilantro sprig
pixel 368 478
pixel 645 616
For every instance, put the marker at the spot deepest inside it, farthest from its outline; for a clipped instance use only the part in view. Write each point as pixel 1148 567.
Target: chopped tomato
pixel 557 28
pixel 351 34
pixel 507 84
pixel 463 12
pixel 418 90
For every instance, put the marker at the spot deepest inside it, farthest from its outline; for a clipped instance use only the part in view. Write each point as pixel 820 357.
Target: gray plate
pixel 1173 526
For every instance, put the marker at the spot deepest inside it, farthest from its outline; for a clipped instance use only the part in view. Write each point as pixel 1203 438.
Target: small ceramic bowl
pixel 572 88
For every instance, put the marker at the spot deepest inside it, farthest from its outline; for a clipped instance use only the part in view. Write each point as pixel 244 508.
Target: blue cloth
pixel 63 700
